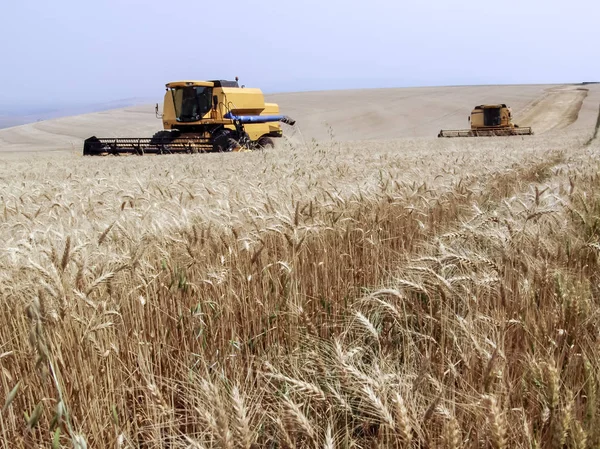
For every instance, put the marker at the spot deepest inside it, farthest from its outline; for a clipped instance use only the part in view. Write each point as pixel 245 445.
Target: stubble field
pixel 409 292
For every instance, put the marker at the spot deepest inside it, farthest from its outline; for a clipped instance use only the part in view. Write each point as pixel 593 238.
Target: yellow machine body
pixel 501 116
pixel 203 116
pixel 237 100
pixel 489 120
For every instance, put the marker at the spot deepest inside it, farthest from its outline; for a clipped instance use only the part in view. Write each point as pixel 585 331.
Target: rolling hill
pixel 346 115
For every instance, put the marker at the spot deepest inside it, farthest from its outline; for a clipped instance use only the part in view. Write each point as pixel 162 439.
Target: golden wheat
pixel 309 296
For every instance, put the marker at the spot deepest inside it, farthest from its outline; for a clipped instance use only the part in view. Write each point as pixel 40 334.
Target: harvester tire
pixel 224 141
pixel 265 142
pixel 161 136
pixel 163 139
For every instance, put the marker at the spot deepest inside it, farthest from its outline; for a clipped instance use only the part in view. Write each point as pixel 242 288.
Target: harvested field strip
pixel 595 135
pixel 557 109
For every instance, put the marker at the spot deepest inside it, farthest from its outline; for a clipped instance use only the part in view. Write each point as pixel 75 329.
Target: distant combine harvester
pixel 489 120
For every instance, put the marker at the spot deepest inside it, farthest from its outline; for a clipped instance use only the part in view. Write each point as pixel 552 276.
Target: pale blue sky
pixel 81 51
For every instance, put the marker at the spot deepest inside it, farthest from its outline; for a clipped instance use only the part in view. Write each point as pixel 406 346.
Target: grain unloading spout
pixel 260 118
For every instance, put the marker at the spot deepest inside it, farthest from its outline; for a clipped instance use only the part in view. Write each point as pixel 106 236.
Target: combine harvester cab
pixel 203 117
pixel 487 121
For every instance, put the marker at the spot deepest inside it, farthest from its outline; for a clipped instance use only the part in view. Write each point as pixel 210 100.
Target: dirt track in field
pixel 556 109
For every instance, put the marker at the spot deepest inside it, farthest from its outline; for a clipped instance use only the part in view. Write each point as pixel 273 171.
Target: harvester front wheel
pixel 163 136
pixel 265 142
pixel 162 139
pixel 224 141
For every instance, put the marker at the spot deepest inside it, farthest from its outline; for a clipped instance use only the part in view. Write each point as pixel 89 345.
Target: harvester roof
pixel 210 83
pixel 190 83
pixel 490 106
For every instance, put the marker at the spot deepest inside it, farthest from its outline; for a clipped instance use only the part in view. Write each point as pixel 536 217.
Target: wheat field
pixel 404 293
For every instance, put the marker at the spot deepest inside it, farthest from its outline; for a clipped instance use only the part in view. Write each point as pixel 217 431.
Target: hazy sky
pixel 78 51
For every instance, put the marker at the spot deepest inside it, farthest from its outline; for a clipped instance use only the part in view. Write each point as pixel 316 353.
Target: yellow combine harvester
pixel 489 120
pixel 201 117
